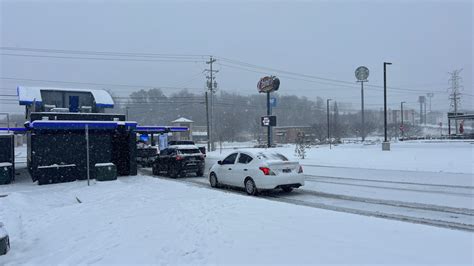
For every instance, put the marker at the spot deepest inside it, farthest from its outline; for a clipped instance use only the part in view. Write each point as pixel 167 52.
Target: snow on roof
pixel 182 120
pixel 183 147
pixel 27 95
pixel 5 164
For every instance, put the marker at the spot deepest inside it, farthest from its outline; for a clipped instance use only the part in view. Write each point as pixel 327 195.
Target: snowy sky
pixel 423 39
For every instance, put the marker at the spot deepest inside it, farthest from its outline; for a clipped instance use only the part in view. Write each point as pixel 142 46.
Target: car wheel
pixel 287 189
pixel 173 173
pixel 250 187
pixel 200 173
pixel 155 171
pixel 213 181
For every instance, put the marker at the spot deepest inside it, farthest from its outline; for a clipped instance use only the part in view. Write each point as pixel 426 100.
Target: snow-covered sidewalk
pixel 147 220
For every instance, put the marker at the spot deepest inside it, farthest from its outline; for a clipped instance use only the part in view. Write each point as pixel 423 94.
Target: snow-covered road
pixel 429 195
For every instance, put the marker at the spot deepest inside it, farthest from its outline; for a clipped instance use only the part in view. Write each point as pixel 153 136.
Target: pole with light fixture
pixel 385 144
pixel 401 114
pixel 329 136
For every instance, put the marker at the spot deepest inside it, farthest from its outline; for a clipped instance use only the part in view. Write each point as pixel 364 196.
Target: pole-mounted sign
pixel 362 73
pixel 268 84
pixel 268 121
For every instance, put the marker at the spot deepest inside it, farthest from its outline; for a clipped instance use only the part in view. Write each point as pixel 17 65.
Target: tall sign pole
pixel 269 128
pixel 87 154
pixel 267 85
pixel 329 135
pixel 402 127
pixel 385 144
pixel 362 73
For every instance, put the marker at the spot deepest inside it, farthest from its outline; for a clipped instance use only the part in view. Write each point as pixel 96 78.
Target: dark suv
pixel 179 160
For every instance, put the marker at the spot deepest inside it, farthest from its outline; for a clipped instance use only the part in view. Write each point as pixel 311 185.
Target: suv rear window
pixel 189 151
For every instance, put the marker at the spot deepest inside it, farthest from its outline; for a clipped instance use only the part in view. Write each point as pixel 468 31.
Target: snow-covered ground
pixel 428 172
pixel 160 221
pixel 148 220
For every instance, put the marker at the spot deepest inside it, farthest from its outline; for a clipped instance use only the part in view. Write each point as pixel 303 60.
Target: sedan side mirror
pixel 219 162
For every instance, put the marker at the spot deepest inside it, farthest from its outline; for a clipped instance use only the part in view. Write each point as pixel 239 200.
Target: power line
pixel 105 53
pixel 106 59
pixel 181 58
pixel 96 84
pixel 248 65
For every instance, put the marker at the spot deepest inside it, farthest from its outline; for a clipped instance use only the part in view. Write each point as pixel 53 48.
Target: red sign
pixel 268 84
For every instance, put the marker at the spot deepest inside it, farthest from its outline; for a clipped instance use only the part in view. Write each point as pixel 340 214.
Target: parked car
pixel 257 170
pixel 179 160
pixel 146 155
pixel 186 142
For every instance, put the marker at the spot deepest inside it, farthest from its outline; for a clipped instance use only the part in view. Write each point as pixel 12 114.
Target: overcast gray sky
pixel 423 39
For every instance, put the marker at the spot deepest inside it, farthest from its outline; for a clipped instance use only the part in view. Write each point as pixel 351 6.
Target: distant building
pixel 289 134
pixel 63 100
pixel 56 134
pixel 183 122
pixel 394 116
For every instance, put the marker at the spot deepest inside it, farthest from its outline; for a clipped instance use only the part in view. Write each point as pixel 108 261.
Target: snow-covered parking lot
pixel 148 220
pixel 144 219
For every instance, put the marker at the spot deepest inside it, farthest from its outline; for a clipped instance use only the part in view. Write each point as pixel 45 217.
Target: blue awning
pixel 79 125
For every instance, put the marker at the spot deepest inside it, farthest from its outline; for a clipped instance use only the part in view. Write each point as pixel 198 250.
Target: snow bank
pixel 104 164
pixel 146 220
pixel 56 166
pixel 428 156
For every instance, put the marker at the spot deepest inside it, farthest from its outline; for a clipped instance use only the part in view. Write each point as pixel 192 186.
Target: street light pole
pixel 329 136
pixel 362 109
pixel 385 144
pixel 401 113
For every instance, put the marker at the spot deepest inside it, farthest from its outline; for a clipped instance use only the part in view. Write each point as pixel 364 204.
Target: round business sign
pixel 362 73
pixel 268 84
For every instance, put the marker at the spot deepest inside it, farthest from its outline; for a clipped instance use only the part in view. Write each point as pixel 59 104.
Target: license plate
pixel 286 170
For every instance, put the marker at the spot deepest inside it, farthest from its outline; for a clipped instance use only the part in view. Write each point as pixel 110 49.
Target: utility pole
pixel 211 86
pixel 207 122
pixel 401 114
pixel 385 144
pixel 422 100
pixel 329 135
pixel 430 95
pixel 455 96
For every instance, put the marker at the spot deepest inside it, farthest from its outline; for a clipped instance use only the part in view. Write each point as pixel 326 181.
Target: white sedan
pixel 257 170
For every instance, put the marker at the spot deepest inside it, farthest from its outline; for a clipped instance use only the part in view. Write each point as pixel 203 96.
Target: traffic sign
pixel 268 121
pixel 273 102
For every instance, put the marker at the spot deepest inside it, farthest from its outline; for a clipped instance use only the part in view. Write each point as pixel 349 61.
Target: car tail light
pixel 266 171
pixel 300 171
pixel 179 158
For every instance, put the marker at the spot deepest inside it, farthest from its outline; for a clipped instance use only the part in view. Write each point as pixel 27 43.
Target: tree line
pixel 237 117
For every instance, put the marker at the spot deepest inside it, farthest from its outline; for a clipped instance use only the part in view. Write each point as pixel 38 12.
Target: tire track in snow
pixel 342 203
pixel 351 182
